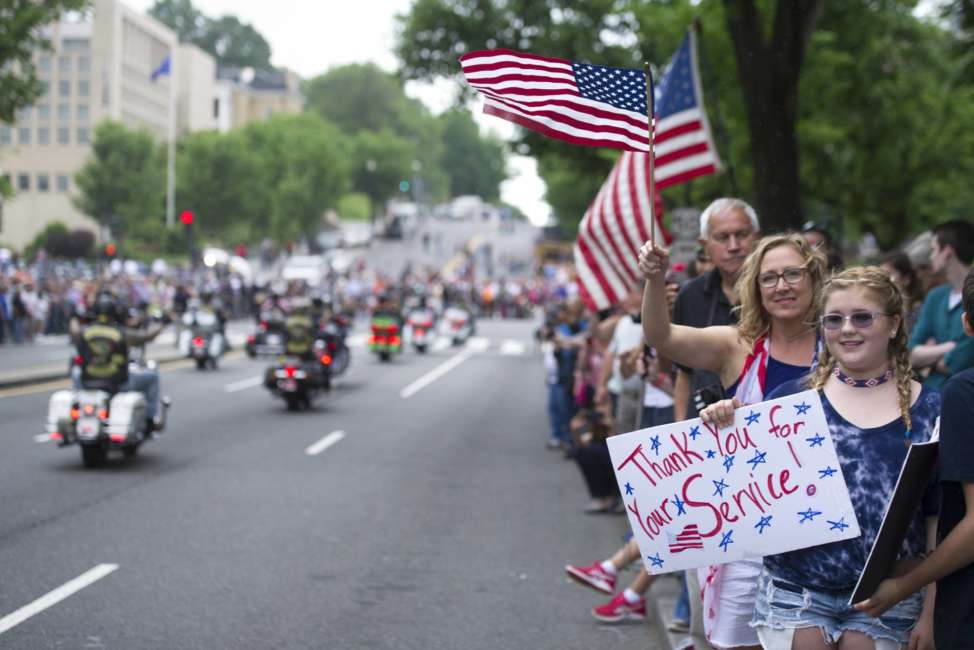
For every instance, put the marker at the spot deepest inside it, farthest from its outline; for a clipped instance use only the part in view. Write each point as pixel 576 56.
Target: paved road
pixel 437 521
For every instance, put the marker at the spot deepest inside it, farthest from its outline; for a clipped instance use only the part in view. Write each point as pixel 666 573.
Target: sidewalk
pixel 47 358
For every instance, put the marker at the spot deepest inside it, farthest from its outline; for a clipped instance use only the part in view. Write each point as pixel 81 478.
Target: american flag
pixel 616 223
pixel 584 104
pixel 688 539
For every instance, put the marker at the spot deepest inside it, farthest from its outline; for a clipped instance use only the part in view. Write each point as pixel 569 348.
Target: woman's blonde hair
pixel 889 296
pixel 755 321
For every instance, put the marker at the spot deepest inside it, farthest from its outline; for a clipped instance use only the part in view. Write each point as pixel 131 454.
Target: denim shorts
pixel 784 605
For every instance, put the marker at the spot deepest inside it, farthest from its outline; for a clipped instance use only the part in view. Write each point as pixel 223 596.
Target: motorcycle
pixel 420 324
pixel 333 335
pixel 269 337
pixel 100 417
pixel 298 380
pixel 201 339
pixel 385 339
pixel 457 325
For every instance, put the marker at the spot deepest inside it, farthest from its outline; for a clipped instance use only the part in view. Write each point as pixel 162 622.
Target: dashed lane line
pixel 52 598
pixel 244 384
pixel 326 442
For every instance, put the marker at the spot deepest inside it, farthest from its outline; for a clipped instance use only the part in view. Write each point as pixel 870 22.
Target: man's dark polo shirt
pixel 701 303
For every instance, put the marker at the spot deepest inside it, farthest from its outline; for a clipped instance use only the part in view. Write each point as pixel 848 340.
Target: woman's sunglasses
pixel 861 320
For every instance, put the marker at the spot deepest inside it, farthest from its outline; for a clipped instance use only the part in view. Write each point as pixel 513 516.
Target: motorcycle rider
pixel 103 344
pixel 300 333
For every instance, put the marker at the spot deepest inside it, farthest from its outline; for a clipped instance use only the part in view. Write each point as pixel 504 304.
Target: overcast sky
pixel 311 37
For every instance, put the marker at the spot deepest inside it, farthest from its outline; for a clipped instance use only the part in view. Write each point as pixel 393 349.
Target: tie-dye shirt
pixel 871 460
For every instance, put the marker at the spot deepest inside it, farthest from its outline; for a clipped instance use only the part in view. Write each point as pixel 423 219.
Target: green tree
pixel 355 206
pixel 182 17
pixel 475 165
pixel 215 179
pixel 379 161
pixel 301 172
pixel 229 40
pixel 20 39
pixel 235 43
pixel 122 183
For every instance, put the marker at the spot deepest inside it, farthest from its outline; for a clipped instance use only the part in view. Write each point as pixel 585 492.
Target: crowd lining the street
pixel 883 342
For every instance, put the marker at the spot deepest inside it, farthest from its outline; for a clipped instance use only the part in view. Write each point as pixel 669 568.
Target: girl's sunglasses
pixel 861 320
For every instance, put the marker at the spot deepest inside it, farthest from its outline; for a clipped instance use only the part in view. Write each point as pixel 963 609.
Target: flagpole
pixel 652 154
pixel 171 150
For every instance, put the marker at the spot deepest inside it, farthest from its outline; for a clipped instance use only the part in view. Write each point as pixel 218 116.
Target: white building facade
pixel 98 69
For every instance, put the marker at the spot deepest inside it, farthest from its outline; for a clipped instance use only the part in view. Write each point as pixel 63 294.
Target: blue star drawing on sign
pixel 802 408
pixel 680 505
pixel 753 417
pixel 656 444
pixel 839 525
pixel 827 472
pixel 808 515
pixel 728 462
pixel 655 560
pixel 720 487
pixel 628 489
pixel 765 522
pixel 816 441
pixel 758 459
pixel 694 432
pixel 725 540
pixel 711 453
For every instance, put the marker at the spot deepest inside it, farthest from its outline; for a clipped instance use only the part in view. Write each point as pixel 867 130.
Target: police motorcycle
pixel 105 412
pixel 270 333
pixel 332 329
pixel 385 339
pixel 421 328
pixel 457 324
pixel 201 338
pixel 304 367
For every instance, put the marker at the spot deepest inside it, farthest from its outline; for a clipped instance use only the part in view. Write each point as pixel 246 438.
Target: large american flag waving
pixel 616 223
pixel 584 104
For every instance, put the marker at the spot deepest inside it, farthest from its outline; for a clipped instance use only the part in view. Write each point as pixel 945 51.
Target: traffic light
pixel 110 250
pixel 404 186
pixel 186 217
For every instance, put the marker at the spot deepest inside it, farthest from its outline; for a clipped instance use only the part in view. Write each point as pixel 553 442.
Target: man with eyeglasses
pixel 937 341
pixel 728 231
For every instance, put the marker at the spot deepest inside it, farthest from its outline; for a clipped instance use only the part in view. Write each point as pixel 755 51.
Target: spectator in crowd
pixel 619 377
pixel 819 237
pixel 951 564
pixel 938 340
pixel 872 405
pixel 4 312
pixel 897 264
pixel 591 427
pixel 728 230
pixel 774 343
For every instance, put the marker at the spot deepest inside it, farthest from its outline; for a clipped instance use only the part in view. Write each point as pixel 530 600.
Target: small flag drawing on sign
pixel 688 539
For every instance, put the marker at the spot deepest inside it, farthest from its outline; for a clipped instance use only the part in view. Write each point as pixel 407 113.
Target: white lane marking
pixel 244 384
pixel 54 597
pixel 478 344
pixel 324 443
pixel 441 343
pixel 357 340
pixel 42 437
pixel 512 348
pixel 435 374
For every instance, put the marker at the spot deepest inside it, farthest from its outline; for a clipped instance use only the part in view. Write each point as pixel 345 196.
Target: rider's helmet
pixel 105 310
pixel 300 307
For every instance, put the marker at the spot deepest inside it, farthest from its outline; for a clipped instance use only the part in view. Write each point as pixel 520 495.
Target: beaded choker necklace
pixel 862 383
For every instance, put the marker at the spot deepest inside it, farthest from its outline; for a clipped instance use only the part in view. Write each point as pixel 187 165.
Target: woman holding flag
pixel 775 342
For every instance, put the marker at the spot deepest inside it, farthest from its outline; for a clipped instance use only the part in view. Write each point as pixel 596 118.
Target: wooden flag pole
pixel 650 113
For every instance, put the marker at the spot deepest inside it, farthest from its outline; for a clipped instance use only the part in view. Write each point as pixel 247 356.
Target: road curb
pixel 30 379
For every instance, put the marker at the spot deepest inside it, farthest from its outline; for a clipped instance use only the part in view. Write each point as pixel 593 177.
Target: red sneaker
pixel 618 609
pixel 592 576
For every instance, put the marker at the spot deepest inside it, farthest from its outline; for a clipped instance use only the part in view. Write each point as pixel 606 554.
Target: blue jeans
pixel 681 611
pixel 654 417
pixel 784 605
pixel 143 380
pixel 559 413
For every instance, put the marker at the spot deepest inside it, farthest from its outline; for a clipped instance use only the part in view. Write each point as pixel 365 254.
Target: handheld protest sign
pixel 697 496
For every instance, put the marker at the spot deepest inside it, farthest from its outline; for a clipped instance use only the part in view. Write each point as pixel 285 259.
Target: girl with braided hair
pixel 875 411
